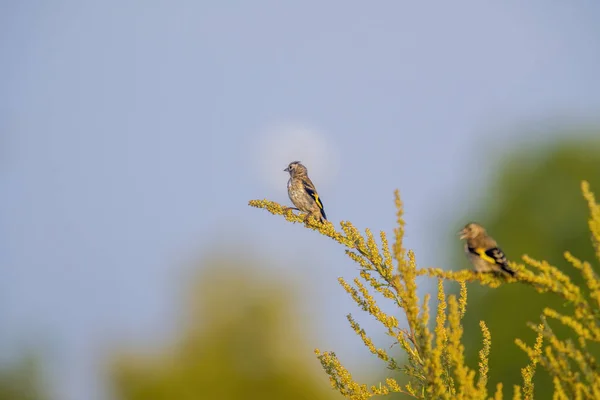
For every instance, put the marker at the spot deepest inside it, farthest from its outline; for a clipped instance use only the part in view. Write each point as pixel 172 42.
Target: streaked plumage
pixel 302 192
pixel 483 251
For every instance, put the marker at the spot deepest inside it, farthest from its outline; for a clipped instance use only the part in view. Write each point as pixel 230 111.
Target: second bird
pixel 302 192
pixel 483 251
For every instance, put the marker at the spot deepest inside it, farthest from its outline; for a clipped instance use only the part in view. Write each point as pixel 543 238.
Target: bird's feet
pixel 288 211
pixel 307 217
pixel 316 216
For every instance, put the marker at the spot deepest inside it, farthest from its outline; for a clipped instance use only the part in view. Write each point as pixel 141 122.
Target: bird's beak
pixel 287 169
pixel 463 234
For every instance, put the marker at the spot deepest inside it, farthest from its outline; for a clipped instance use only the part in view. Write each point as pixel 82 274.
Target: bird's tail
pixel 509 271
pixel 323 217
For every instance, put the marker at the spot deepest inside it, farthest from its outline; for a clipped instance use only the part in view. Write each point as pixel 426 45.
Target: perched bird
pixel 302 192
pixel 482 250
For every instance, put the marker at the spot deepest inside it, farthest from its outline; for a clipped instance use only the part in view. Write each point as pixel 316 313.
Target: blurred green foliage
pixel 538 211
pixel 242 339
pixel 20 380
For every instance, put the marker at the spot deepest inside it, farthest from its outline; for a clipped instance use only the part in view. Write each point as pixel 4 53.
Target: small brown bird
pixel 483 251
pixel 302 192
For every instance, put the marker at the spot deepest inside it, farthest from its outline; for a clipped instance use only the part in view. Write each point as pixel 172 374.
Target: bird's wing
pixel 493 255
pixel 310 189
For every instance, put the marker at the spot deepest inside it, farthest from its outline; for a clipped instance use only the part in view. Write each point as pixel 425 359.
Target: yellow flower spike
pixel 579 329
pixel 423 346
pixel 409 296
pixel 393 385
pixel 573 260
pixel 548 270
pixel 591 279
pixel 354 293
pixel 594 221
pixel 462 299
pixel 484 354
pixel 517 392
pixel 440 329
pixel 551 279
pixel 498 393
pixel 396 284
pixel 552 364
pixel 340 378
pixel 559 393
pixel 362 261
pixel 434 367
pixel 534 355
pixel 425 310
pixel 374 255
pixel 327 229
pixel 366 301
pixel 370 279
pixel 388 294
pixel 455 347
pixel 354 236
pixel 398 248
pixel 520 344
pixel 405 343
pixel 381 390
pixel 372 307
pixel 465 275
pixel 582 391
pixel 586 363
pixel 410 390
pixel 387 256
pixel 596 388
pixel 367 340
pixel 560 357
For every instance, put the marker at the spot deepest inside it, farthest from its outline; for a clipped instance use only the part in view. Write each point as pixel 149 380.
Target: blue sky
pixel 134 133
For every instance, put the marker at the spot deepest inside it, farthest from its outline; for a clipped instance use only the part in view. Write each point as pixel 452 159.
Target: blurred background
pixel 134 133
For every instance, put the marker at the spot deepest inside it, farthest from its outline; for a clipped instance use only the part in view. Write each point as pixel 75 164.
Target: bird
pixel 303 193
pixel 483 251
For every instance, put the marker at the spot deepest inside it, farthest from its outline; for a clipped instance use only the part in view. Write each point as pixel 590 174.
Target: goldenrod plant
pixel 434 361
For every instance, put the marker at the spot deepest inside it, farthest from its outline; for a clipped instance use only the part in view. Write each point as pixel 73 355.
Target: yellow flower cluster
pixel 435 363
